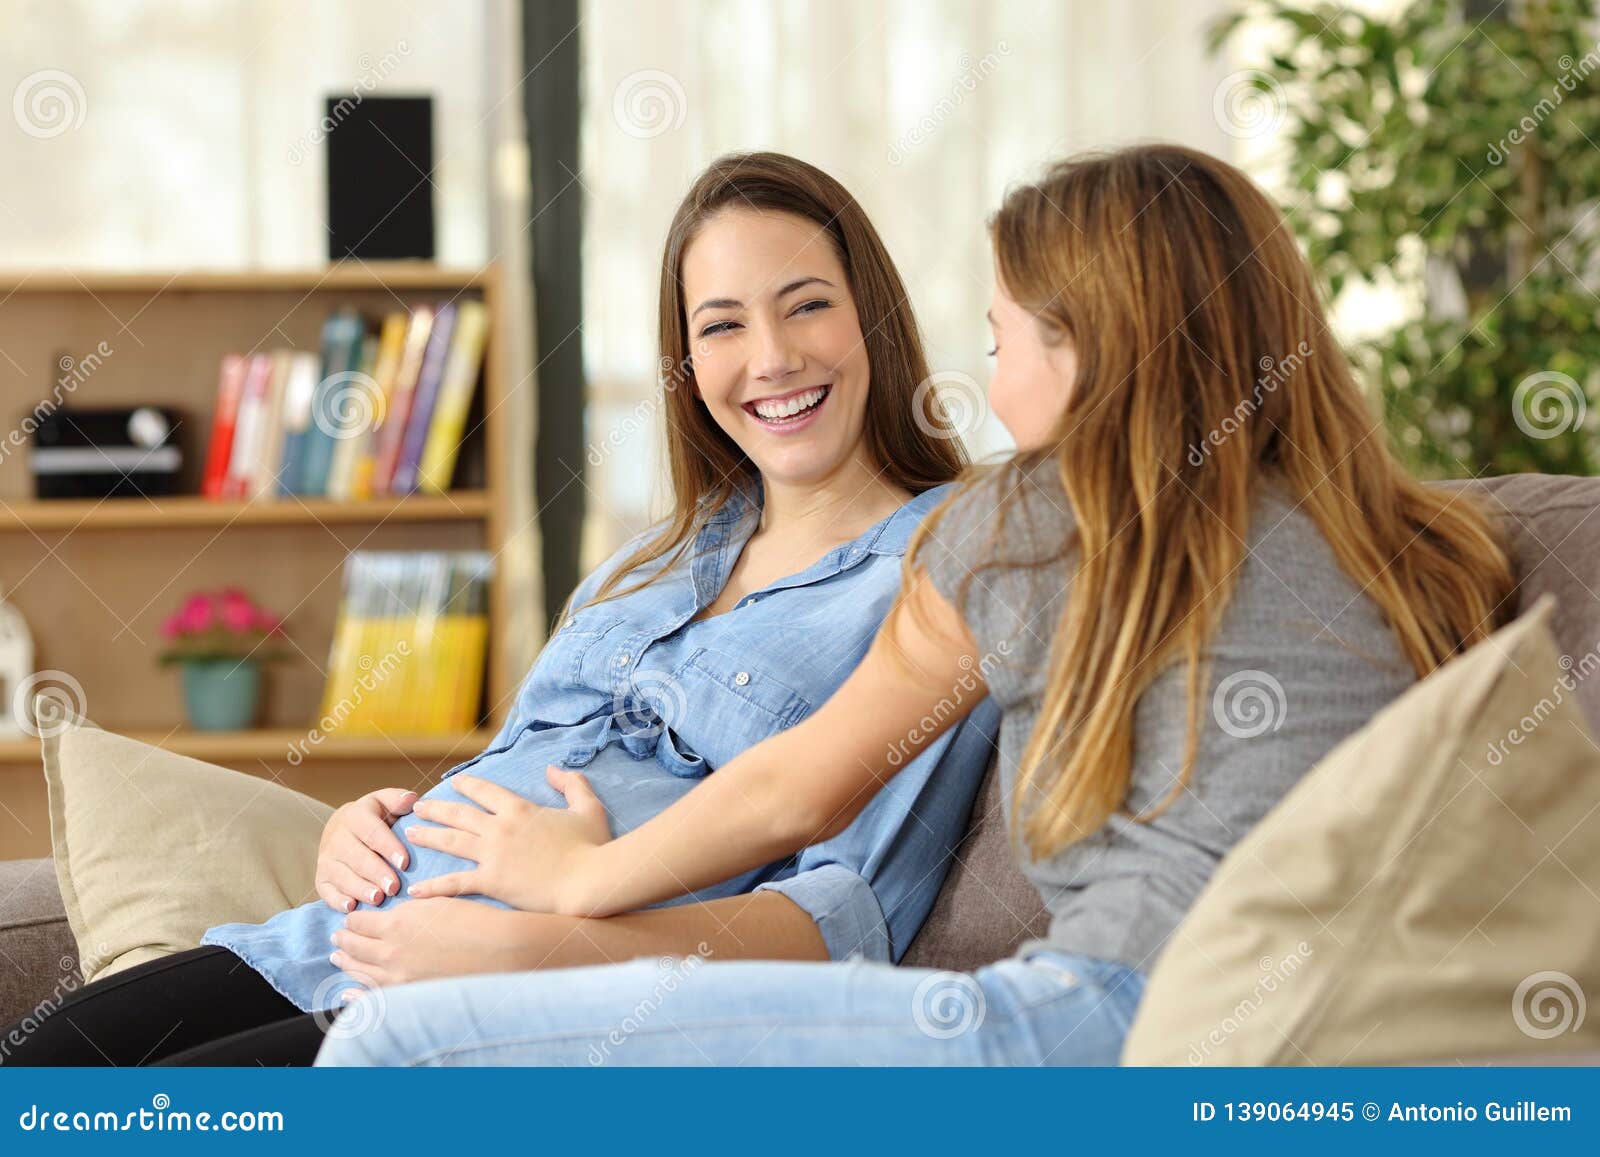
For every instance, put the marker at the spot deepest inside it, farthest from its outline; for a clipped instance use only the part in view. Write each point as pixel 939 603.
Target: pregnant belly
pixel 291 949
pixel 632 790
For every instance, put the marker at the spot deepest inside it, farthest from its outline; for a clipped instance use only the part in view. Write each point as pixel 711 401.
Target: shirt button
pixel 622 659
pixel 742 678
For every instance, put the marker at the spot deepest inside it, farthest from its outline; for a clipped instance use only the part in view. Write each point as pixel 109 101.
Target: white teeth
pixel 774 411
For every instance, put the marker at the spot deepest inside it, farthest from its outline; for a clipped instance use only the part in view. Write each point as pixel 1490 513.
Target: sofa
pixel 985 908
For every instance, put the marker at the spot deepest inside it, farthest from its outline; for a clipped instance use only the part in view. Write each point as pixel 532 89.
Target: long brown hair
pixel 1186 297
pixel 706 466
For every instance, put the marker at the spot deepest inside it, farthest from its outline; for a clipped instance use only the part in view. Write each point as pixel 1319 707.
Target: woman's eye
pixel 812 306
pixel 718 327
pixel 994 351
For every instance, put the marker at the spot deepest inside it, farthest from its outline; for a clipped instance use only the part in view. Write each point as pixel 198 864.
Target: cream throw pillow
pixel 152 848
pixel 1430 891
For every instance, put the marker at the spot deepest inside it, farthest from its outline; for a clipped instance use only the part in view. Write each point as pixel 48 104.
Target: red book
pixel 248 427
pixel 230 384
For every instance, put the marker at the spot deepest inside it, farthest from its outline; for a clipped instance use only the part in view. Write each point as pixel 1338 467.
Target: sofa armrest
pixel 38 955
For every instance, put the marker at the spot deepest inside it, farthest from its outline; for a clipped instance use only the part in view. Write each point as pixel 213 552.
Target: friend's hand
pixel 524 852
pixel 433 938
pixel 354 845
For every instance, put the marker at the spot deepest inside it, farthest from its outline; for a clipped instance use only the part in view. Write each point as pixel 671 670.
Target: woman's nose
pixel 775 356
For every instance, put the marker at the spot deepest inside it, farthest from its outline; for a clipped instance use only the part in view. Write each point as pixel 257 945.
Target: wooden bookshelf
pixel 94 578
pixel 269 745
pixel 193 511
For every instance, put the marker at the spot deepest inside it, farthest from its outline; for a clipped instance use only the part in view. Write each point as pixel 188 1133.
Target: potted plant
pixel 1449 148
pixel 221 639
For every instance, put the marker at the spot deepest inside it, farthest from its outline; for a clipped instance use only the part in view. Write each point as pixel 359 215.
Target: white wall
pixel 178 133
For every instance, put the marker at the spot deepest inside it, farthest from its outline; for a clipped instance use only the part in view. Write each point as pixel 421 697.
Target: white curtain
pixel 926 111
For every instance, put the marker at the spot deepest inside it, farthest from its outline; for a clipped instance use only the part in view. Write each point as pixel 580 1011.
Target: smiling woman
pixel 725 625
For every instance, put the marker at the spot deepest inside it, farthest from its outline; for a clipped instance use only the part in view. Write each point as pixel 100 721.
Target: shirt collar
pixel 892 534
pixel 888 537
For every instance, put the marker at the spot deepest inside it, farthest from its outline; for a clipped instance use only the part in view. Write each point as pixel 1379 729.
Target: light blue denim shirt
pixel 647 702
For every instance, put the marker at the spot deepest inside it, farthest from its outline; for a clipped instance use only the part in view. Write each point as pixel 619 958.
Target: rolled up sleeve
pixel 870 888
pixel 844 908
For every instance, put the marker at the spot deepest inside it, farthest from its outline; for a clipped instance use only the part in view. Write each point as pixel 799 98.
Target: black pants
pixel 201 1007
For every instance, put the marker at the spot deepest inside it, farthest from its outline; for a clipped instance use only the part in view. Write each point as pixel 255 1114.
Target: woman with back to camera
pixel 799 473
pixel 1177 516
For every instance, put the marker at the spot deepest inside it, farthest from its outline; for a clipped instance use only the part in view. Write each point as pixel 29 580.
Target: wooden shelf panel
pixel 194 511
pixel 348 275
pixel 273 745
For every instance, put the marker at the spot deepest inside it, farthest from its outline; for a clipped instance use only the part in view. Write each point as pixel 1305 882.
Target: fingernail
pixel 333 958
pixel 376 895
pixel 399 862
pixel 333 937
pixel 412 890
pixel 390 886
pixel 349 905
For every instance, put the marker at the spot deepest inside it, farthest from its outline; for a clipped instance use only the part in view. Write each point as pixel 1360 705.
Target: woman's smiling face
pixel 778 355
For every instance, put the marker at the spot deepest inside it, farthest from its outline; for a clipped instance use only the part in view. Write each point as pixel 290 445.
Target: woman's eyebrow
pixel 802 282
pixel 716 303
pixel 731 303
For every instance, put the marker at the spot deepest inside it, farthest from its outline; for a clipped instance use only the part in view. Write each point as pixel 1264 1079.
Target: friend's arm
pixel 800 787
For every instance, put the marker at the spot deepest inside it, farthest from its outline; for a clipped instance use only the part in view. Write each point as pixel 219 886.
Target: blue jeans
pixel 1049 1009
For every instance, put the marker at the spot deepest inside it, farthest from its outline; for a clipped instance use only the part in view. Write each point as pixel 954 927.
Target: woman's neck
pixel 835 509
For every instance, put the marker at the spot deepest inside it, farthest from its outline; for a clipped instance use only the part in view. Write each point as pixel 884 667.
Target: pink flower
pixel 195 615
pixel 267 623
pixel 237 616
pixel 171 627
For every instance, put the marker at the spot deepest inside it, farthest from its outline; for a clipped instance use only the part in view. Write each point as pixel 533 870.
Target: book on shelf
pixel 410 643
pixel 371 412
pixel 423 399
pixel 230 385
pixel 391 434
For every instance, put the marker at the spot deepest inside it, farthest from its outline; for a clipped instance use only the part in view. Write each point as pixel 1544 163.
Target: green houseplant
pixel 1453 146
pixel 220 640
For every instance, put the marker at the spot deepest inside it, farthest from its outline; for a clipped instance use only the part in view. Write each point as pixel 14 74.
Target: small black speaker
pixel 380 170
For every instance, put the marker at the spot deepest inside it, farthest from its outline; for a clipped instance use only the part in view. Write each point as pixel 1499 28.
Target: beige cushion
pixel 152 848
pixel 1430 890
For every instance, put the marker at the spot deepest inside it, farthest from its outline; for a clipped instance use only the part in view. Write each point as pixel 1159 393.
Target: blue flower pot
pixel 221 694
